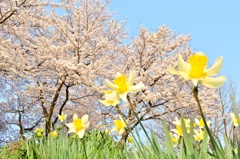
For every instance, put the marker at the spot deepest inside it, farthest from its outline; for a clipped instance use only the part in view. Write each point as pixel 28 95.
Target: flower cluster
pixel 39 132
pixel 198 126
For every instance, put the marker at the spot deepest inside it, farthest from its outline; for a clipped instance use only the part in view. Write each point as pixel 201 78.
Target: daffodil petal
pixel 81 133
pixel 121 131
pixel 136 88
pixel 75 116
pixel 111 85
pixel 85 119
pixel 214 82
pixel 200 54
pixel 173 71
pixel 215 69
pixel 123 96
pixel 195 82
pixel 183 66
pixel 87 125
pixel 184 75
pixel 176 72
pixel 132 77
pixel 118 74
pixel 71 127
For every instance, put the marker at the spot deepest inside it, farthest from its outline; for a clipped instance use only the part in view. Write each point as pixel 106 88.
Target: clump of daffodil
pixel 120 125
pixel 54 134
pixel 62 117
pixel 196 70
pixel 78 125
pixel 201 124
pixel 122 86
pixel 234 119
pixel 111 98
pixel 39 132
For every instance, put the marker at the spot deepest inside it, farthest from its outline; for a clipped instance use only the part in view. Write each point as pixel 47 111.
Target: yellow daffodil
pixel 39 134
pixel 196 70
pixel 200 123
pixel 235 150
pixel 234 119
pixel 54 134
pixel 39 130
pixel 123 86
pixel 120 125
pixel 130 140
pixel 111 98
pixel 62 117
pixel 199 135
pixel 78 125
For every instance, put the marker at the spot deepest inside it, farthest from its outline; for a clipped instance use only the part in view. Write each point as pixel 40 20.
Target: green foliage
pixel 97 145
pixel 100 145
pixel 14 150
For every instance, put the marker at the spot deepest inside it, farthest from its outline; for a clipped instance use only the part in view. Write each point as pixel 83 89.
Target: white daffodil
pixel 123 86
pixel 196 70
pixel 78 125
pixel 111 98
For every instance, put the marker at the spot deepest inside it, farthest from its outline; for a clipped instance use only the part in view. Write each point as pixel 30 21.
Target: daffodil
pixel 120 125
pixel 62 117
pixel 234 119
pixel 123 86
pixel 178 130
pixel 54 134
pixel 78 125
pixel 199 135
pixel 201 124
pixel 39 134
pixel 111 98
pixel 39 130
pixel 130 140
pixel 235 150
pixel 178 124
pixel 175 139
pixel 196 70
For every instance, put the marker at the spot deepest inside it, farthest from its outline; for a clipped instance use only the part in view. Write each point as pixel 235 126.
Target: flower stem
pixel 218 152
pixel 84 148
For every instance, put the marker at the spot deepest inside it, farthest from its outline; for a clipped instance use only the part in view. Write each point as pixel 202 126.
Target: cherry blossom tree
pixel 56 55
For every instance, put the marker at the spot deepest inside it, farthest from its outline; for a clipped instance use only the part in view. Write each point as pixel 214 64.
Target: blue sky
pixel 213 25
